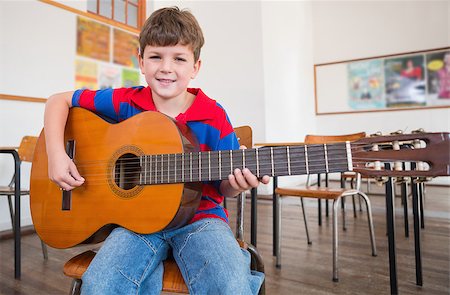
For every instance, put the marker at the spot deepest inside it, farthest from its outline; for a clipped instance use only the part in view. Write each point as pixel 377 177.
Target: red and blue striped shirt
pixel 205 117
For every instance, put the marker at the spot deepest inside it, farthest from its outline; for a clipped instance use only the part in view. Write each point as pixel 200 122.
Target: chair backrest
pixel 26 148
pixel 244 135
pixel 318 139
pixel 321 139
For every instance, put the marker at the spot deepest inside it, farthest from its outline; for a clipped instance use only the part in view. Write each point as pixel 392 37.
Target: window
pixel 128 12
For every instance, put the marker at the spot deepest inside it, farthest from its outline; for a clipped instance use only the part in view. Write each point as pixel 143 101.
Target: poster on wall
pixel 125 49
pixel 405 81
pixel 438 78
pixel 365 84
pixel 93 39
pixel 109 77
pixel 130 78
pixel 86 74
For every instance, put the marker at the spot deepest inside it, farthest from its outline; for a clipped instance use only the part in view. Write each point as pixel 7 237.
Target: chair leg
pixel 278 237
pixel 75 289
pixel 344 225
pixel 11 211
pixel 11 214
pixel 44 250
pixel 360 206
pixel 353 200
pixel 370 221
pixel 306 222
pixel 335 239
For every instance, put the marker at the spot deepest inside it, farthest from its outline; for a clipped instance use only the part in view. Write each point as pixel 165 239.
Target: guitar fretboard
pixel 272 161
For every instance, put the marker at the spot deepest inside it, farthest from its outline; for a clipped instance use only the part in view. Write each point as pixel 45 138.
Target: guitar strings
pixel 161 177
pixel 312 151
pixel 131 164
pixel 163 162
pixel 282 150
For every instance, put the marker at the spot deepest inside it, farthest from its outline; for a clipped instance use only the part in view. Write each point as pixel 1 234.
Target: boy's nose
pixel 166 66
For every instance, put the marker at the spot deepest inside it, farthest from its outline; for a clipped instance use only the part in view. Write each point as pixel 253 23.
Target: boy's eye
pixel 180 59
pixel 154 57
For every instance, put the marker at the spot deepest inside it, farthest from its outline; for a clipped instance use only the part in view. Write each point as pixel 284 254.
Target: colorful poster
pixel 126 49
pixel 438 73
pixel 93 39
pixel 365 84
pixel 86 74
pixel 130 78
pixel 405 81
pixel 109 77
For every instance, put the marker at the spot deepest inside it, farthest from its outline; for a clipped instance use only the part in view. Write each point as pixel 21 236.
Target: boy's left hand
pixel 241 180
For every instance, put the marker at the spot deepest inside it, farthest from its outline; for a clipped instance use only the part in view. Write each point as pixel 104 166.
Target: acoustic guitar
pixel 145 173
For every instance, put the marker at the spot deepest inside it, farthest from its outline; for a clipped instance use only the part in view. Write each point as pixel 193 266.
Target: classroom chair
pixel 26 153
pixel 335 194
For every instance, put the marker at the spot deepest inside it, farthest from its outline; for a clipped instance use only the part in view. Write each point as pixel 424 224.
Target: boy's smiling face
pixel 168 70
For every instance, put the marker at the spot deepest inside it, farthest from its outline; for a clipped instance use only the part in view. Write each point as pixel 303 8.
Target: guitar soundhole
pixel 127 171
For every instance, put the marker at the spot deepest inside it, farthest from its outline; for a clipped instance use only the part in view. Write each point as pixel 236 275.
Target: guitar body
pixel 103 201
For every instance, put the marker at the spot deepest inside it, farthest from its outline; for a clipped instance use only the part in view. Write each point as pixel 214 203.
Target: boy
pixel 205 249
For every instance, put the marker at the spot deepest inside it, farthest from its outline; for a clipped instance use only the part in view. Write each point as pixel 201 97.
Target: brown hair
pixel 170 26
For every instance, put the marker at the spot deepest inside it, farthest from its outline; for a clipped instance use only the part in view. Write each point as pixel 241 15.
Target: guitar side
pixel 100 203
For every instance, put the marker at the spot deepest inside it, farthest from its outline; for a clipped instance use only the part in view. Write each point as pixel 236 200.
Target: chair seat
pixel 314 192
pixel 6 190
pixel 77 265
pixel 172 280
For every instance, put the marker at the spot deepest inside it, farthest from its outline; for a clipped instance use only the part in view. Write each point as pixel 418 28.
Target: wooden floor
pixel 306 269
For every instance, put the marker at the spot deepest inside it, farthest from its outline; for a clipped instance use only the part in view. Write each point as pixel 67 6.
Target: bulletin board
pixel 403 81
pixel 106 57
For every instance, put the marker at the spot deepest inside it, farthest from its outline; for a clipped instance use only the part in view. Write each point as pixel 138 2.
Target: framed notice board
pixel 404 81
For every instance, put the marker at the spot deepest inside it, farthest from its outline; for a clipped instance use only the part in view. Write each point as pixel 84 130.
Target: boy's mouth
pixel 165 81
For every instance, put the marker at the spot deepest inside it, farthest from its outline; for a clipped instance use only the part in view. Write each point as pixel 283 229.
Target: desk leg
pixel 275 217
pixel 404 187
pixel 421 194
pixel 319 202
pixel 415 201
pixel 391 235
pixel 17 246
pixel 254 216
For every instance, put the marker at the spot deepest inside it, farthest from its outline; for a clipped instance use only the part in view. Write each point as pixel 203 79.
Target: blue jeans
pixel 206 252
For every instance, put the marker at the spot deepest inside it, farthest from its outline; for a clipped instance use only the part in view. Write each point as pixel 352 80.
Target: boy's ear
pixel 141 63
pixel 197 66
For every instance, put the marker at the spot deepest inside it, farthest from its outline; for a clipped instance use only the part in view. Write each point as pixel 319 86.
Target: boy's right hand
pixel 63 172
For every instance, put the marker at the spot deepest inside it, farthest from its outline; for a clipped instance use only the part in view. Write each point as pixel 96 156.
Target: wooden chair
pixel 335 194
pixel 172 279
pixel 245 137
pixel 26 153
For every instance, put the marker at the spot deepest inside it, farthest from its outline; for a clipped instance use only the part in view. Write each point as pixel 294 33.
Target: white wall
pixel 32 63
pixel 232 62
pixel 356 29
pixel 348 30
pixel 341 30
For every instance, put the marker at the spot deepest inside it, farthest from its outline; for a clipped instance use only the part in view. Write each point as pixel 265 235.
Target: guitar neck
pixel 272 161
